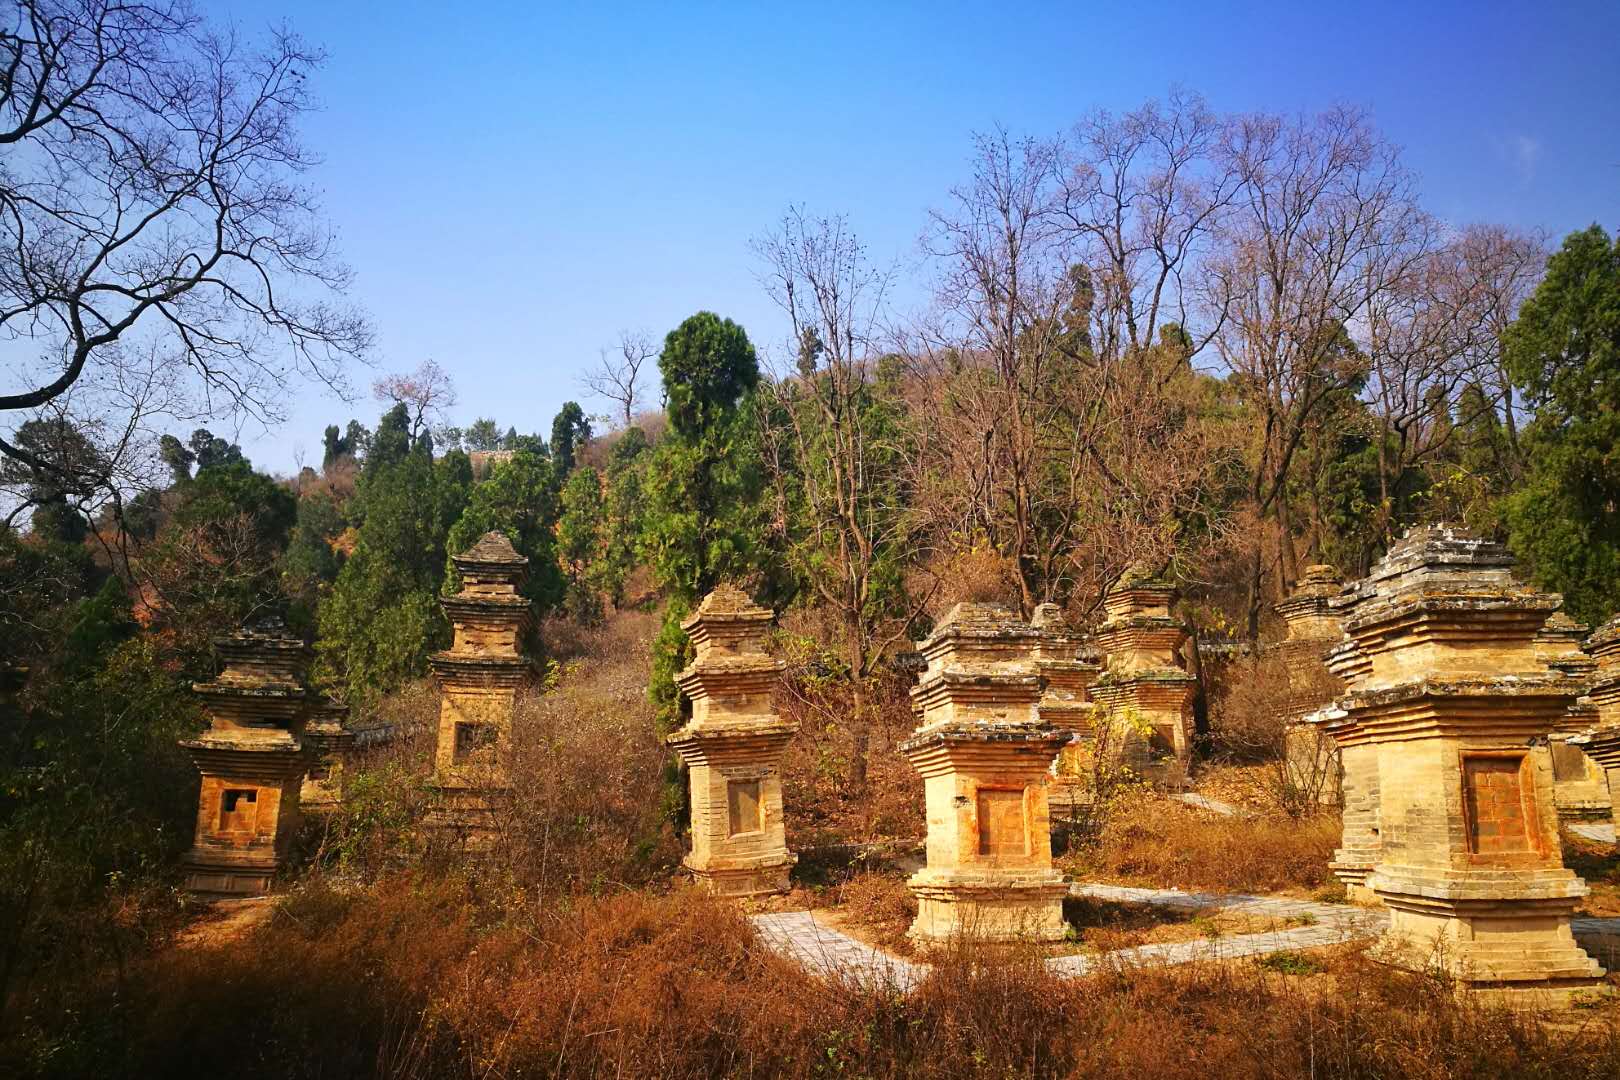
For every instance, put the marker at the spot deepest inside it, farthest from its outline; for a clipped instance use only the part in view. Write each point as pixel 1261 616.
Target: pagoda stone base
pixel 1508 949
pixel 471 815
pixel 1004 906
pixel 212 871
pixel 743 877
pixel 1353 876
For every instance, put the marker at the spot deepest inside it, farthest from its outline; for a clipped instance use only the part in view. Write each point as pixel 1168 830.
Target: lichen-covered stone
pixel 733 746
pixel 252 759
pixel 984 752
pixel 1452 715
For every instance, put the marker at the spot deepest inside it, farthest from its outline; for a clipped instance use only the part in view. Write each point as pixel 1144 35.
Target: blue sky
pixel 515 183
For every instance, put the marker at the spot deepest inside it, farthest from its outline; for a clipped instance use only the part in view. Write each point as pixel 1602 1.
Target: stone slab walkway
pixel 835 955
pixel 1204 802
pixel 1601 834
pixel 1324 924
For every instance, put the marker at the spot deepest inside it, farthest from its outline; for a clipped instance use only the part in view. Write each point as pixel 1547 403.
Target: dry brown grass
pixel 419 977
pixel 1161 844
pixel 877 909
pixel 1599 865
pixel 822 806
pixel 587 810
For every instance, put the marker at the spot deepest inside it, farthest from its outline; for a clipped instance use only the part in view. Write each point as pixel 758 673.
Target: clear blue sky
pixel 515 183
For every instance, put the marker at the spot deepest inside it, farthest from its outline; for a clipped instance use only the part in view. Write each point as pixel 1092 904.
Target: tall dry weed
pixel 422 978
pixel 1154 843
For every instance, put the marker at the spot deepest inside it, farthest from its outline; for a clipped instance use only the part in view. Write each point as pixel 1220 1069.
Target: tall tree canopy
pixel 1564 351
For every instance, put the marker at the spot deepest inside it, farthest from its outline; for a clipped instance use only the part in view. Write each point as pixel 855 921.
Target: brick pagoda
pixel 327 734
pixel 1064 658
pixel 984 754
pixel 1599 740
pixel 1313 627
pixel 252 761
pixel 1457 707
pixel 479 678
pixel 732 746
pixel 1147 691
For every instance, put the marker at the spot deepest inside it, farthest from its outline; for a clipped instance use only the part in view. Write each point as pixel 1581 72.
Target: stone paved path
pixel 1329 924
pixel 1602 834
pixel 834 954
pixel 1204 802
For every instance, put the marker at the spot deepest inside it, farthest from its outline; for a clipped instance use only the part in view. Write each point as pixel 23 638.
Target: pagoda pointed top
pixel 1320 576
pixel 263 650
pixel 1604 645
pixel 970 617
pixel 1559 624
pixel 1050 618
pixel 1306 609
pixel 728 620
pixel 728 599
pixel 1060 640
pixel 1139 592
pixel 492 566
pixel 1439 585
pixel 978 633
pixel 1445 552
pixel 1558 644
pixel 493 548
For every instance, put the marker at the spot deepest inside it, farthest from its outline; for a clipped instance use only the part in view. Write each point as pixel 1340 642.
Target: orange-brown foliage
pixel 1163 845
pixel 417 978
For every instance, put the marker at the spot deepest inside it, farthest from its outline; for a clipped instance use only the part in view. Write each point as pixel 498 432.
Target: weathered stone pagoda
pixel 1313 627
pixel 732 746
pixel 1064 658
pixel 252 761
pixel 327 734
pixel 1146 689
pixel 1358 847
pixel 1599 709
pixel 1580 784
pixel 1457 708
pixel 479 678
pixel 984 753
pixel 1604 693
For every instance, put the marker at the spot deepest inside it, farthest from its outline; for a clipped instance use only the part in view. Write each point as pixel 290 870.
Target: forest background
pixel 1220 347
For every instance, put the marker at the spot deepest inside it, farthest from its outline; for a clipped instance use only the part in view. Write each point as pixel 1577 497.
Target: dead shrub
pixel 1249 724
pixel 881 905
pixel 587 771
pixel 1165 845
pixel 822 806
pixel 417 978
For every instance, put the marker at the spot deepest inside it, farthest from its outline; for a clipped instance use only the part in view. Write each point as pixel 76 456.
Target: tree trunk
pixel 861 736
pixel 1256 570
pixel 860 723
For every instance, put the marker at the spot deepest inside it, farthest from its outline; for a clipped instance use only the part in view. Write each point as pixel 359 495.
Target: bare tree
pixel 1322 222
pixel 618 378
pixel 1143 192
pixel 838 414
pixel 426 394
pixel 150 187
pixel 996 341
pixel 1074 459
pixel 1499 268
